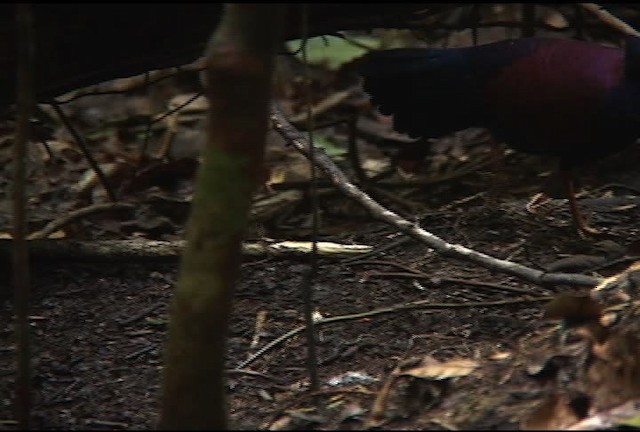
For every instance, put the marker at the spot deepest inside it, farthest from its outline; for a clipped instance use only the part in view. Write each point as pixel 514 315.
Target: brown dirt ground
pixel 98 329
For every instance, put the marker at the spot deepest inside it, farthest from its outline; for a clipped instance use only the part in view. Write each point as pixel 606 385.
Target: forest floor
pixel 99 328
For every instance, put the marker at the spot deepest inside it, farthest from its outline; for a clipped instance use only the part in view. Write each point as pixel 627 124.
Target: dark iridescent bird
pixel 573 100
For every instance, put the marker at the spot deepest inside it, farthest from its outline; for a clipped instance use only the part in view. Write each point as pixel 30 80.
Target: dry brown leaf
pixel 623 207
pixel 619 288
pixel 60 234
pixel 89 179
pixel 556 20
pixel 375 166
pixel 59 148
pixel 282 423
pixel 277 176
pixel 626 414
pixel 500 355
pixel 609 319
pixel 442 370
pixel 614 374
pixel 553 413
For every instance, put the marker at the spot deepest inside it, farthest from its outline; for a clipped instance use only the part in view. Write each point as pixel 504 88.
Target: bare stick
pixel 609 19
pixel 340 180
pixel 56 224
pixel 420 304
pixel 323 106
pixel 49 250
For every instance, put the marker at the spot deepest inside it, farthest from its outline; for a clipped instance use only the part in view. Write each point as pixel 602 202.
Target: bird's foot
pixel 581 226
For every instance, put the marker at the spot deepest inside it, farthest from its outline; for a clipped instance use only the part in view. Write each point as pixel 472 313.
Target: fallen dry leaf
pixel 555 412
pixel 442 370
pixel 614 374
pixel 500 355
pixel 622 287
pixel 556 20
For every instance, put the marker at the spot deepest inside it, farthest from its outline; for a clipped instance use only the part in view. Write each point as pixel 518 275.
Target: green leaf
pixel 633 421
pixel 332 51
pixel 327 143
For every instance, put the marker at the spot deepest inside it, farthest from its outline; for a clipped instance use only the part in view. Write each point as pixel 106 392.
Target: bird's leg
pixel 576 214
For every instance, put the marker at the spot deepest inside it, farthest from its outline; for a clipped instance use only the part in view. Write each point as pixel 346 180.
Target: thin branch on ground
pixel 323 106
pixel 255 374
pixel 163 251
pixel 340 180
pixel 439 281
pixel 141 314
pixel 56 224
pixel 421 304
pixel 435 280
